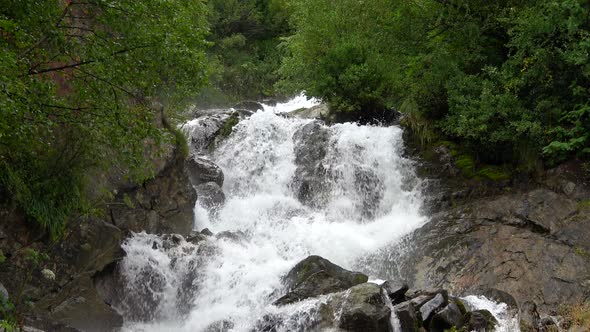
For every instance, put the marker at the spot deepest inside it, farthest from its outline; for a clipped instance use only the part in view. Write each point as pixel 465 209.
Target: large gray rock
pixel 249 105
pixel 317 112
pixel 515 243
pixel 202 170
pixel 210 196
pixel 316 276
pixel 79 305
pixel 205 129
pixel 396 290
pixel 407 317
pixel 361 308
pixel 311 144
pixel 431 307
pixel 480 321
pixel 446 318
pixel 162 205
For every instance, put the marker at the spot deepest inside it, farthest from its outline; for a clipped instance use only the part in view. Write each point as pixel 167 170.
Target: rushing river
pixel 224 284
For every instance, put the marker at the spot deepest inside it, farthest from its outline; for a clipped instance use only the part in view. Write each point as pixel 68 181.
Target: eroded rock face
pixel 80 306
pixel 311 144
pixel 523 244
pixel 162 205
pixel 315 276
pixel 70 298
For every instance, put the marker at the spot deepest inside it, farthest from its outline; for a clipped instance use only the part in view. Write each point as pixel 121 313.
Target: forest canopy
pixel 508 79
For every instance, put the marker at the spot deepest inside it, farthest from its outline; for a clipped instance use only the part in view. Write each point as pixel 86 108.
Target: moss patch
pixel 466 165
pixel 494 173
pixel 228 127
pixel 360 279
pixel 461 306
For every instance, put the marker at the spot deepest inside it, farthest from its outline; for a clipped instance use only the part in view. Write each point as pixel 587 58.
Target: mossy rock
pixel 494 173
pixel 466 164
pixel 229 125
pixel 461 306
pixel 315 276
pixel 480 321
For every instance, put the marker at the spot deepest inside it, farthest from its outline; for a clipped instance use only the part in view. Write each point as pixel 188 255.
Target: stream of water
pixel 225 284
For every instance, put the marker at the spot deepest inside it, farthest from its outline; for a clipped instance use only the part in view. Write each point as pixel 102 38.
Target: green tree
pixel 245 55
pixel 77 85
pixel 507 79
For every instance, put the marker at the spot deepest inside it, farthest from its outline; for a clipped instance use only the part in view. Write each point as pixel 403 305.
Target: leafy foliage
pixel 245 56
pixel 508 79
pixel 77 84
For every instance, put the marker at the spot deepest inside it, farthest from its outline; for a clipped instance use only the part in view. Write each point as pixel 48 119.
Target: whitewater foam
pixel 237 284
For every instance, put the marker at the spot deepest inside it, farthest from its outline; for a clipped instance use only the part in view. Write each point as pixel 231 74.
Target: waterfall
pixel 360 195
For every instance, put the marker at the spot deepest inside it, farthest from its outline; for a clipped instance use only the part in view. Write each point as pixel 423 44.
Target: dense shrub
pixel 507 79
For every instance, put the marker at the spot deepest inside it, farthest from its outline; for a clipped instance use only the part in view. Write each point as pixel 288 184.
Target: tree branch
pixel 81 63
pixel 42 40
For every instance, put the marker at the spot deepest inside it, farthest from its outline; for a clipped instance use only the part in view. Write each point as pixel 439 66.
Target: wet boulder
pixel 203 130
pixel 316 276
pixel 449 316
pixel 170 241
pixel 210 195
pixel 431 307
pixel 237 236
pixel 480 321
pixel 164 204
pixel 320 111
pixel 396 290
pixel 361 308
pixel 220 326
pixel 311 143
pixel 407 317
pixel 268 323
pixel 370 189
pixel 202 170
pixel 206 232
pixel 195 237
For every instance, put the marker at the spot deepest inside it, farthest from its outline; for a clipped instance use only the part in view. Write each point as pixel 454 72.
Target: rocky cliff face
pixel 68 296
pixel 529 239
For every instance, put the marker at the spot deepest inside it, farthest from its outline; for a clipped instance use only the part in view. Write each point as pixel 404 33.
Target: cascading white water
pixel 237 281
pixel 507 321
